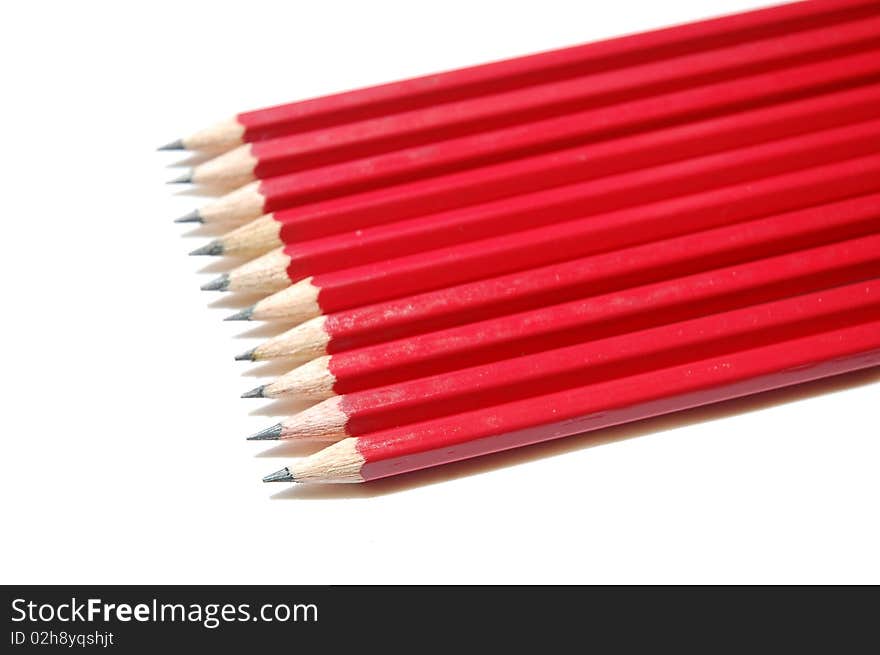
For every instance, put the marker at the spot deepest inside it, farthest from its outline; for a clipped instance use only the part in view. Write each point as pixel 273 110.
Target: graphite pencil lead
pixel 280 476
pixel 193 217
pixel 268 434
pixel 246 356
pixel 254 393
pixel 214 248
pixel 244 315
pixel 217 284
pixel 186 178
pixel 174 145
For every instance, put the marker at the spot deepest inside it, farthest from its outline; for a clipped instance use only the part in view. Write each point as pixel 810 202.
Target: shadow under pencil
pixel 575 443
pixel 191 159
pixel 280 408
pixel 207 230
pixel 264 330
pixel 233 300
pixel 271 368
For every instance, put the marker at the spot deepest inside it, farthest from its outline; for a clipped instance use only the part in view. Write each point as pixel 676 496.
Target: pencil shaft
pixel 559 64
pixel 573 411
pixel 581 163
pixel 363 285
pixel 592 360
pixel 560 204
pixel 358 140
pixel 590 318
pixel 660 111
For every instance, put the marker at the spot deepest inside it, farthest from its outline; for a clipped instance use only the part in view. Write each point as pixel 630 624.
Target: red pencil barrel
pixel 595 360
pixel 543 101
pixel 579 164
pixel 577 201
pixel 445 267
pixel 573 411
pixel 599 316
pixel 623 119
pixel 558 64
pixel 600 274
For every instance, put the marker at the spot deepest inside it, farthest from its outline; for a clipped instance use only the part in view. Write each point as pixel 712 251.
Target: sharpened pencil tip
pixel 254 393
pixel 268 434
pixel 214 248
pixel 243 315
pixel 217 284
pixel 174 145
pixel 246 356
pixel 193 217
pixel 186 178
pixel 280 476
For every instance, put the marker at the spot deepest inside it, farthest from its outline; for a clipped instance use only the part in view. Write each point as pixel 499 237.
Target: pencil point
pixel 217 284
pixel 214 248
pixel 192 217
pixel 280 476
pixel 254 393
pixel 246 356
pixel 174 145
pixel 268 434
pixel 244 315
pixel 186 178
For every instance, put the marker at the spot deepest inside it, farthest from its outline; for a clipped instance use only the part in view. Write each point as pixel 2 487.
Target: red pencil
pixel 853 345
pixel 579 278
pixel 586 362
pixel 578 164
pixel 362 139
pixel 296 261
pixel 499 76
pixel 590 318
pixel 541 136
pixel 444 267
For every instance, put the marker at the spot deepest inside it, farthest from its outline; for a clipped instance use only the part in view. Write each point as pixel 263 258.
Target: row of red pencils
pixel 520 251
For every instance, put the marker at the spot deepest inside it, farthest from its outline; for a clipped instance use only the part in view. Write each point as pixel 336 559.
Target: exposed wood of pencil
pixel 329 146
pixel 313 381
pixel 445 267
pixel 264 274
pixel 468 152
pixel 327 420
pixel 543 208
pixel 592 317
pixel 239 206
pixel 300 344
pixel 453 85
pixel 580 163
pixel 547 371
pixel 593 406
pixel 228 171
pixel 297 303
pixel 216 138
pixel 249 240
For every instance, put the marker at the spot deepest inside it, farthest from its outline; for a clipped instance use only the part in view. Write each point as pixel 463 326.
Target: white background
pixel 123 452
